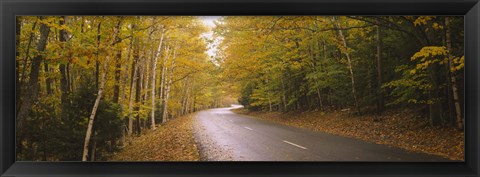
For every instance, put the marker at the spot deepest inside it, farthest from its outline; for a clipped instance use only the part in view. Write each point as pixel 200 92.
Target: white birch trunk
pixel 349 62
pixel 130 102
pixel 101 87
pixel 458 110
pixel 94 110
pixel 154 70
pixel 167 93
pixel 164 70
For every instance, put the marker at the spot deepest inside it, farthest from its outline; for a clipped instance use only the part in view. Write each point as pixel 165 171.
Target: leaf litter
pixel 172 141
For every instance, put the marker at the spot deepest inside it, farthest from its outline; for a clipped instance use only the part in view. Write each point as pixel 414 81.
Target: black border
pixel 10 8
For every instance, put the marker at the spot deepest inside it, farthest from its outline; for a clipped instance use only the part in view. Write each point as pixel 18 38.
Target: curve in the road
pixel 225 136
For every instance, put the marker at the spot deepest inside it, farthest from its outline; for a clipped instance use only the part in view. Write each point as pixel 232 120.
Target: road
pixel 226 136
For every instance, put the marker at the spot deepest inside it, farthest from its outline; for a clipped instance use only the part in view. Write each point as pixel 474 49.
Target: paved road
pixel 225 136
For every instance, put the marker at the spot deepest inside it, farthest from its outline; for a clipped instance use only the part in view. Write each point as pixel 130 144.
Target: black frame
pixel 10 8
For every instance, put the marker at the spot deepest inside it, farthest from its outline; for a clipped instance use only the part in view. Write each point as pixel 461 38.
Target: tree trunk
pixel 142 69
pixel 97 101
pixel 71 78
pixel 118 65
pixel 125 72
pixel 116 87
pixel 186 97
pixel 33 84
pixel 284 99
pixel 320 99
pixel 48 80
pixel 162 79
pixel 132 84
pixel 435 108
pixel 349 62
pixel 18 30
pixel 94 110
pixel 100 87
pixel 63 73
pixel 97 64
pixel 167 93
pixel 138 90
pixel 269 99
pixel 381 104
pixel 94 148
pixel 453 84
pixel 164 70
pixel 154 70
pixel 27 52
pixel 183 95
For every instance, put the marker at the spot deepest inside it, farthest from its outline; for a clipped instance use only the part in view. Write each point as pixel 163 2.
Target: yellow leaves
pixel 428 52
pixel 413 71
pixel 435 54
pixel 457 64
pixel 427 56
pixel 437 26
pixel 425 64
pixel 48 20
pixel 427 22
pixel 423 20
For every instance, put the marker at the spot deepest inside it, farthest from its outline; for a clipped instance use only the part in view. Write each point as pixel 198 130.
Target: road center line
pixel 248 128
pixel 293 144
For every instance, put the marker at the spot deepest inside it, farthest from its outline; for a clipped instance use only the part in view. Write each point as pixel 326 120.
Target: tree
pixel 453 80
pixel 380 103
pixel 97 100
pixel 345 50
pixel 33 85
pixel 159 50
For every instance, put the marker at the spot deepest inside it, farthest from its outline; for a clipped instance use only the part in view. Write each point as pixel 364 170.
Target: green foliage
pixel 411 88
pixel 53 138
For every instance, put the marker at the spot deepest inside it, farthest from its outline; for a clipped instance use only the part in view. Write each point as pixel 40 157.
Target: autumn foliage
pixel 88 86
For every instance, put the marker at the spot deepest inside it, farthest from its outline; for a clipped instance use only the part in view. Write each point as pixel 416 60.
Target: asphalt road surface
pixel 226 136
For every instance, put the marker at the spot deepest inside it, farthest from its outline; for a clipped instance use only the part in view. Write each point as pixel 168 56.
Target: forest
pixel 133 72
pixel 86 85
pixel 366 64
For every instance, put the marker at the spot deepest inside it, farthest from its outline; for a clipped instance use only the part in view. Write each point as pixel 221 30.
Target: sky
pixel 209 22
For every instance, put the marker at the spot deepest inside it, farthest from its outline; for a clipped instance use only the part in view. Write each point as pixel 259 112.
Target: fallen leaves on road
pixel 172 141
pixel 398 128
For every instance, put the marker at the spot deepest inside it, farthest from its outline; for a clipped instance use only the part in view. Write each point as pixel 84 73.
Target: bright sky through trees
pixel 209 21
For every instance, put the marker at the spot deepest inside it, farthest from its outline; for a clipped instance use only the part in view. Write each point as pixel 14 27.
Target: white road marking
pixel 248 128
pixel 293 144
